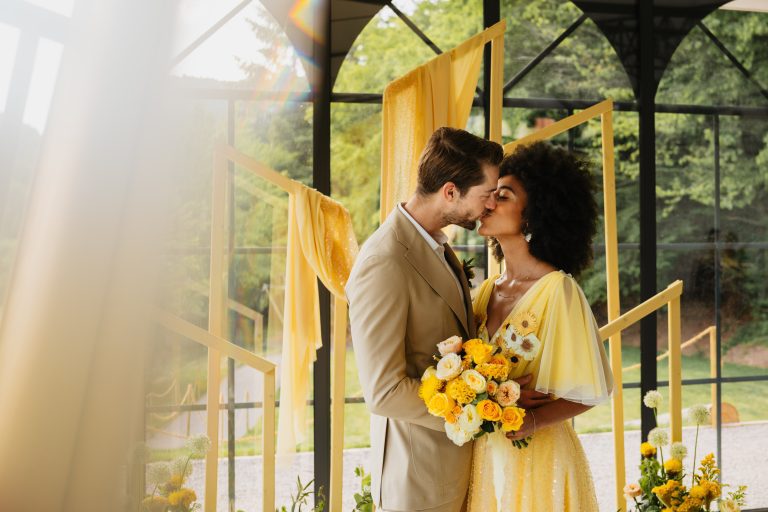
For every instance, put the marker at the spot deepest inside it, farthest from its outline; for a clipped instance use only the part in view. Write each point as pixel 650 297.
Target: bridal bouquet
pixel 469 389
pixel 661 486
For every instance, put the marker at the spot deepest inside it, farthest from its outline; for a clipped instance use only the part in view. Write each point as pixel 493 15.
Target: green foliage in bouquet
pixel 299 500
pixel 363 499
pixel 661 487
pixel 167 480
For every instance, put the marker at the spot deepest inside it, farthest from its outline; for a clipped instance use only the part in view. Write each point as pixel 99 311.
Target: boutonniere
pixel 468 267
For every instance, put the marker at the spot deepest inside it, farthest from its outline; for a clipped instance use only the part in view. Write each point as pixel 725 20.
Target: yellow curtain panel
pixel 321 243
pixel 438 93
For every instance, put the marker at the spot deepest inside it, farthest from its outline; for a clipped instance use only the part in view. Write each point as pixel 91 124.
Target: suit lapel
pixel 423 259
pixel 453 260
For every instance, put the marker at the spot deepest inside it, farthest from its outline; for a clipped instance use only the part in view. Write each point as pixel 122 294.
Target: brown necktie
pixel 458 269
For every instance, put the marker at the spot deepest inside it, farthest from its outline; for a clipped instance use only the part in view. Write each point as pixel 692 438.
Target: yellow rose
pixel 512 418
pixel 429 387
pixel 673 466
pixel 440 405
pixel 460 391
pixel 647 450
pixel 453 415
pixel 489 410
pixel 480 352
pixel 492 387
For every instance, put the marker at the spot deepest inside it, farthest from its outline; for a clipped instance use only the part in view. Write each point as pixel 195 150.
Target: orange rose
pixel 489 410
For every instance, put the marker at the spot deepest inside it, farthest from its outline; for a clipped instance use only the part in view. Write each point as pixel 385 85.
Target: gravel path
pixel 745 447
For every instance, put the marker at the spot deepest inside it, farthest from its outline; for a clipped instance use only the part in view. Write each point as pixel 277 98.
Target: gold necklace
pixel 511 285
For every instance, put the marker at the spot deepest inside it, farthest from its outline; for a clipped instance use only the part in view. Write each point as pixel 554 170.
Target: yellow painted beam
pixel 217 304
pixel 675 369
pixel 339 347
pixel 635 314
pixel 268 441
pixel 563 125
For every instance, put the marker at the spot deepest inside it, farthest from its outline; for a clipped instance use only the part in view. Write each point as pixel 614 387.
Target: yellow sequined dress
pixel 552 334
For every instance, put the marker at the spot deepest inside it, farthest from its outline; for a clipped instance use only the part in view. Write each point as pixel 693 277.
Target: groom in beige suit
pixel 407 292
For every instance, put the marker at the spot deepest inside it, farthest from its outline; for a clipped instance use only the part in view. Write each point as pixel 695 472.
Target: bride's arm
pixel 546 415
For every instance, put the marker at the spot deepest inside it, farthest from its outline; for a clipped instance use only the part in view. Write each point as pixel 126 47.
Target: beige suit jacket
pixel 402 302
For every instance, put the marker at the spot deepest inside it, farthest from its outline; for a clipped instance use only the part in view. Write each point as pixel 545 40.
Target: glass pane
pixel 744 440
pixel 744 311
pixel 251 50
pixel 743 178
pixel 387 48
pixel 356 163
pixel 699 73
pixel 685 178
pixel 584 65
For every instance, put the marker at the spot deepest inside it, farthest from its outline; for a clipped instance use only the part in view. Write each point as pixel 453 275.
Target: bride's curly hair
pixel 561 211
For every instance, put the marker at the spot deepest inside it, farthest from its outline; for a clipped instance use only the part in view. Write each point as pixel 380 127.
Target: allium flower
pixel 450 346
pixel 652 399
pixel 158 473
pixel 199 444
pixel 449 367
pixel 658 437
pixel 699 414
pixel 181 468
pixel 678 450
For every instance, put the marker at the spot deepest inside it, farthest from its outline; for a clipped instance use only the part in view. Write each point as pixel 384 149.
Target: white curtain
pixel 74 322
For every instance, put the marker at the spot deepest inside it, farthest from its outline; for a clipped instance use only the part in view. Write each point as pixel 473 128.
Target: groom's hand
pixel 529 398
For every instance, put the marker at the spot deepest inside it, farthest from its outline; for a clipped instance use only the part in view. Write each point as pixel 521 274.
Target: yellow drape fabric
pixel 321 243
pixel 439 93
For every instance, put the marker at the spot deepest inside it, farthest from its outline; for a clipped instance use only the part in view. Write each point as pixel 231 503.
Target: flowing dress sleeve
pixel 573 363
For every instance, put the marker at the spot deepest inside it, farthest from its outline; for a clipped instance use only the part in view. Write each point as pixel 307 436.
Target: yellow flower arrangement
pixel 183 497
pixel 512 418
pixel 673 466
pixel 459 390
pixel 669 493
pixel 647 450
pixel 489 410
pixel 440 405
pixel 429 387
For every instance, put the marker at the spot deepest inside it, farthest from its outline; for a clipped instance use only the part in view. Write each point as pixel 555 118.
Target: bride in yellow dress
pixel 542 227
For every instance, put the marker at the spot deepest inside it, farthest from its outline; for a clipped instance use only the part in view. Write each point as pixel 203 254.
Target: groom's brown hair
pixel 456 156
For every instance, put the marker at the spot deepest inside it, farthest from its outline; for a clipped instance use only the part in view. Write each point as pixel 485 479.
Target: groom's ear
pixel 450 191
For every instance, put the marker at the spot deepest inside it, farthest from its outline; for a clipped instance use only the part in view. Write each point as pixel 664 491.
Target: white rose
pixel 455 433
pixel 469 420
pixel 475 381
pixel 449 367
pixel 450 346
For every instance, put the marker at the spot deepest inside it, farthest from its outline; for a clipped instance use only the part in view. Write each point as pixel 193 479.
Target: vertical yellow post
pixel 675 370
pixel 496 111
pixel 713 373
pixel 614 308
pixel 339 347
pixel 217 303
pixel 268 441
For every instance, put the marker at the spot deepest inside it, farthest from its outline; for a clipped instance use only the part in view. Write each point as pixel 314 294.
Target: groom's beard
pixel 466 221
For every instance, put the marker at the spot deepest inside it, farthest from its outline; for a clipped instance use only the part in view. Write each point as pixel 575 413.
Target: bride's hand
pixel 529 398
pixel 526 430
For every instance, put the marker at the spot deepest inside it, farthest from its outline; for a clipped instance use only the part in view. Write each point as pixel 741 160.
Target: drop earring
pixel 528 237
